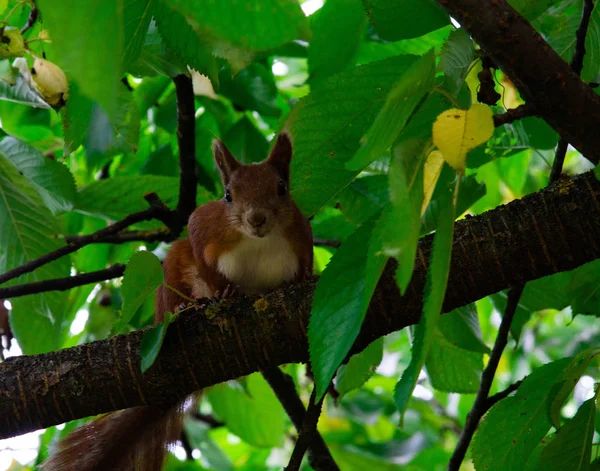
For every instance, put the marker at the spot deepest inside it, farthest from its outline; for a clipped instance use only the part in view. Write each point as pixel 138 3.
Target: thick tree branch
pixel 560 97
pixel 186 140
pixel 157 210
pixel 554 230
pixel 63 284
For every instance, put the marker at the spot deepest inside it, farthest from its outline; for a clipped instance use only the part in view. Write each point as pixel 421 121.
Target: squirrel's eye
pixel 281 188
pixel 228 196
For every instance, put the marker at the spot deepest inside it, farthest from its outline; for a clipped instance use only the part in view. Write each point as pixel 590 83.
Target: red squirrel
pixel 254 239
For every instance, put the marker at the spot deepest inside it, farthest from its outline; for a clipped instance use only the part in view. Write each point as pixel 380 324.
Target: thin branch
pixel 282 384
pixel 157 210
pixel 33 16
pixel 522 111
pixel 209 420
pixel 306 432
pixel 186 140
pixel 155 235
pixel 581 33
pixel 326 243
pixel 577 66
pixel 62 284
pixel 487 377
pixel 502 394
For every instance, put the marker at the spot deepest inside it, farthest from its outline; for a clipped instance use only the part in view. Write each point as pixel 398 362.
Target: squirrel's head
pixel 257 195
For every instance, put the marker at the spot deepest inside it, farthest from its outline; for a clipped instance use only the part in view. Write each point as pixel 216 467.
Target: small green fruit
pixel 11 43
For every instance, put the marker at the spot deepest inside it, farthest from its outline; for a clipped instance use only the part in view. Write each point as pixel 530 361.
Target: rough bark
pixel 559 96
pixel 554 230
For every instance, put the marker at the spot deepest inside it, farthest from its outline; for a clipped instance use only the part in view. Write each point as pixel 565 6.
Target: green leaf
pixel 116 197
pixel 363 198
pixel 137 15
pixel 451 368
pixel 107 137
pixel 406 194
pixel 531 9
pixel 246 142
pixel 198 434
pixel 571 447
pixel 339 305
pixel 360 368
pixel 337 31
pixel 80 40
pixel 15 88
pixel 76 115
pixel 251 89
pixel 461 328
pixel 152 341
pixel 256 417
pixel 400 103
pixel 511 430
pixel 564 388
pixel 157 58
pixel 183 42
pixel 584 289
pixel 142 276
pixel 259 25
pixel 395 20
pixel 559 28
pixel 28 232
pixel 49 178
pixel 435 289
pixel 327 124
pixel 456 57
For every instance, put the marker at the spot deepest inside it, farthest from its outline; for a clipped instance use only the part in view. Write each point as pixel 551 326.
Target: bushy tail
pixel 135 439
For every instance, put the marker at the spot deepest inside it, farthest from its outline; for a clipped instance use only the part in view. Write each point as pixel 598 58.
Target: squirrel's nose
pixel 257 219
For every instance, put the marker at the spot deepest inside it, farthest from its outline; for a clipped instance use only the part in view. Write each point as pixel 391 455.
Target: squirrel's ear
pixel 224 160
pixel 281 155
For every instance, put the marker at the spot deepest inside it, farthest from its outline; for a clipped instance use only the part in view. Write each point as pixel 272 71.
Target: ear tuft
pixel 225 161
pixel 281 155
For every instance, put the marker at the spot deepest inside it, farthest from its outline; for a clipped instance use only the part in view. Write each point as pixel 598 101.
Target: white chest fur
pixel 258 265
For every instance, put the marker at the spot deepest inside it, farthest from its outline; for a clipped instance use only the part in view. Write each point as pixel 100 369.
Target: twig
pixel 306 432
pixel 522 111
pixel 62 284
pixel 33 16
pixel 208 419
pixel 154 235
pixel 186 140
pixel 157 210
pixel 326 243
pixel 282 384
pixel 479 406
pixel 502 394
pixel 577 66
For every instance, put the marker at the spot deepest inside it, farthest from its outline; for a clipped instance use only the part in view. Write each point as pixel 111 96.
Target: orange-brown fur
pixel 137 439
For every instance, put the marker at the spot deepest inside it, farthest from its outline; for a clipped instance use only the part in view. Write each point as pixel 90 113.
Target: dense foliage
pixel 359 85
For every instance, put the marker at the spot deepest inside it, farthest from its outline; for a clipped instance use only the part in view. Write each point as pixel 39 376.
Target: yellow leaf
pixel 456 132
pixel 3 5
pixel 431 173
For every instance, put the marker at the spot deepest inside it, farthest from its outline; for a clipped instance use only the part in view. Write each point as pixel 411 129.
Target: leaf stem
pixel 179 293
